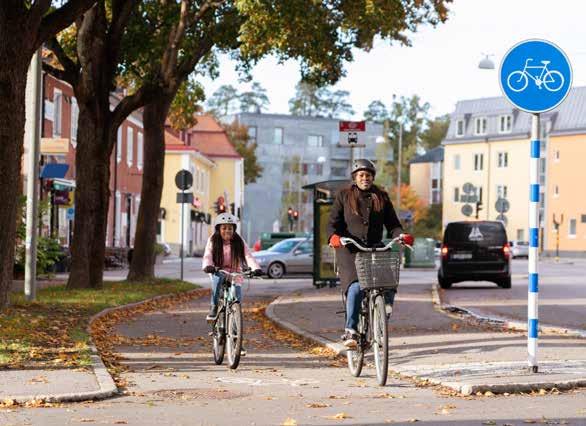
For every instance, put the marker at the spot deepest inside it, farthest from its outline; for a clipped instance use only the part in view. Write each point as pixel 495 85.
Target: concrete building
pixel 425 175
pixel 294 151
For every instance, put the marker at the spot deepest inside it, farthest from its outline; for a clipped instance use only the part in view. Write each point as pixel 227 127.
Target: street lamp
pixel 486 63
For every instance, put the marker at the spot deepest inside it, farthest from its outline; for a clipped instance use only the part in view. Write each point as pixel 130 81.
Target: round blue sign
pixel 535 75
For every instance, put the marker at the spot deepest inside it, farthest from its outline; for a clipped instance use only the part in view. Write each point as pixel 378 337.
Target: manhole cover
pixel 188 394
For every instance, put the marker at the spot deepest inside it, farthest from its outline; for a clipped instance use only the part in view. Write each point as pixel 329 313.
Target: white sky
pixel 442 64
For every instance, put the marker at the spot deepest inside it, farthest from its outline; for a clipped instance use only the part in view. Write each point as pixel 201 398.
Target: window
pixel 520 235
pixel 505 123
pixel 139 150
pixel 456 194
pixel 501 191
pixel 252 134
pixel 305 247
pixel 480 126
pixel 460 128
pixel 503 159
pixel 457 162
pixel 74 120
pixel 119 145
pixel 57 111
pixel 572 228
pixel 118 218
pixel 315 140
pixel 556 191
pixel 478 161
pixel 129 146
pixel 556 155
pixel 278 136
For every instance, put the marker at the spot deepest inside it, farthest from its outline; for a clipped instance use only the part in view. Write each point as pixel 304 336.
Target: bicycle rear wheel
pixel 380 342
pixel 234 335
pixel 219 339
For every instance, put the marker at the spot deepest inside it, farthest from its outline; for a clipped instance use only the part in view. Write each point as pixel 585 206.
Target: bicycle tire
pixel 551 75
pixel 356 358
pixel 380 343
pixel 515 87
pixel 234 335
pixel 219 340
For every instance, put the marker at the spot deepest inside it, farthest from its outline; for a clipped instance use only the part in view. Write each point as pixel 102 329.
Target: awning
pixel 63 184
pixel 54 171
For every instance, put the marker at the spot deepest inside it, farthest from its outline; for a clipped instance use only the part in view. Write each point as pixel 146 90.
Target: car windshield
pixel 480 233
pixel 284 246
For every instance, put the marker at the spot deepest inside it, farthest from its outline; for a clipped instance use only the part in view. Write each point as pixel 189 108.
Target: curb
pixel 106 384
pixel 464 389
pixel 463 313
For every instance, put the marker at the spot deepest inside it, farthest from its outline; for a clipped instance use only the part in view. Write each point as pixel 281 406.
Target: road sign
pixel 468 198
pixel 352 133
pixel 71 213
pixel 183 179
pixel 468 188
pixel 184 197
pixel 502 205
pixel 535 75
pixel 467 210
pixel 502 218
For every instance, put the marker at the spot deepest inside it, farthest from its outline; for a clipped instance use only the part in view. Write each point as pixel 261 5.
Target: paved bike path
pixel 429 344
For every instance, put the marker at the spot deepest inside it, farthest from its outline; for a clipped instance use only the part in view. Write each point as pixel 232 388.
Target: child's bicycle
pixel 378 271
pixel 227 326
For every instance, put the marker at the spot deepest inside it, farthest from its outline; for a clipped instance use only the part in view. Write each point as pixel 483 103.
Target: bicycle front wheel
pixel 553 81
pixel 355 361
pixel 234 335
pixel 219 341
pixel 517 81
pixel 380 342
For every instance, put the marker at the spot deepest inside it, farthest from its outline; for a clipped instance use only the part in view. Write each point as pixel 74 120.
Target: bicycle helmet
pixel 363 164
pixel 226 219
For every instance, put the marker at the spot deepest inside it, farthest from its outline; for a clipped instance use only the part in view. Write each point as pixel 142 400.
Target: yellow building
pixel 196 216
pixel 487 146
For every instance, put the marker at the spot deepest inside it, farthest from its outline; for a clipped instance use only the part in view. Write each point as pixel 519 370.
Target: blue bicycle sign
pixel 535 76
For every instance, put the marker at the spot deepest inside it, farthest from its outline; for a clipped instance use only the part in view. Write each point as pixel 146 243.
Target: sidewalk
pixel 427 344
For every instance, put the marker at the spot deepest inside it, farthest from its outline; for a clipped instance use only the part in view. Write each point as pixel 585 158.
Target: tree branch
pixel 121 11
pixel 56 72
pixel 61 18
pixel 71 68
pixel 130 103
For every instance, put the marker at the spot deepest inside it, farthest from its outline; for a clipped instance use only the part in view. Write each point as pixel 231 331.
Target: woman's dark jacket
pixel 366 227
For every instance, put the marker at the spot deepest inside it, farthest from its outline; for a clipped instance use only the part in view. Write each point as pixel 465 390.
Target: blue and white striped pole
pixel 533 301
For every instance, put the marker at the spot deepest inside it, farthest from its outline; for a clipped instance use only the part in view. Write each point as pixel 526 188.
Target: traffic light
pixel 478 207
pixel 296 215
pixel 220 206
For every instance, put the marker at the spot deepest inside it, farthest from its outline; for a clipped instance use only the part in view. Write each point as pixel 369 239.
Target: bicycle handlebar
pixel 346 240
pixel 246 273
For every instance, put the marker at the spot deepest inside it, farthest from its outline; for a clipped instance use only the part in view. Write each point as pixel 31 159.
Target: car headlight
pixel 261 260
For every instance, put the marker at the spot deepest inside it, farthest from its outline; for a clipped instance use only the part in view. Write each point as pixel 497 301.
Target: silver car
pixel 293 255
pixel 519 248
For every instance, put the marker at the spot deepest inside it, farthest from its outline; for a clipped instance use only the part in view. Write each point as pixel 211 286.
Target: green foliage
pixel 255 99
pixel 186 104
pixel 48 249
pixel 312 100
pixel 430 224
pixel 238 135
pixel 223 101
pixel 376 112
pixel 435 132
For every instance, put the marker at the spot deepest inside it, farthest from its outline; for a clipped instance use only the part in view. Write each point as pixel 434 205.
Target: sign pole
pixel 182 231
pixel 532 301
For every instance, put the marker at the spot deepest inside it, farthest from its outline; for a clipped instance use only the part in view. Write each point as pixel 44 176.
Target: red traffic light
pixel 295 215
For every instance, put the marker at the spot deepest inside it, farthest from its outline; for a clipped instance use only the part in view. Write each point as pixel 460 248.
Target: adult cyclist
pixel 361 211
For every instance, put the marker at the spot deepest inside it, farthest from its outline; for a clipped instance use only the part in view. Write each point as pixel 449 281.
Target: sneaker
pixel 213 313
pixel 389 309
pixel 243 351
pixel 350 339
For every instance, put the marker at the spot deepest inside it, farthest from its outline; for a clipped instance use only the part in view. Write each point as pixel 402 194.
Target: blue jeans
pixel 354 299
pixel 217 281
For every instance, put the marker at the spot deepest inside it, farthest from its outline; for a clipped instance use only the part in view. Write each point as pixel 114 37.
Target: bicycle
pixel 378 271
pixel 227 326
pixel 547 78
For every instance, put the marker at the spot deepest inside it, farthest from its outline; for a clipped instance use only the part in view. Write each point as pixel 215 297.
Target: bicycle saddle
pixel 545 62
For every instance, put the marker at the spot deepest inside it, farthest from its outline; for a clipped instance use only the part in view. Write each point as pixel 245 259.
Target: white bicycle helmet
pixel 225 219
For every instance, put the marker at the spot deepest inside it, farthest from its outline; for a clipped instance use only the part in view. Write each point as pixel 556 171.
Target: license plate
pixel 462 256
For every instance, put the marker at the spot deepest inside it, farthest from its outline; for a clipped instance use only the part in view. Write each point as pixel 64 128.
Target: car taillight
pixel 507 250
pixel 444 251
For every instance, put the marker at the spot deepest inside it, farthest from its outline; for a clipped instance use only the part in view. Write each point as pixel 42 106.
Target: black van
pixel 475 251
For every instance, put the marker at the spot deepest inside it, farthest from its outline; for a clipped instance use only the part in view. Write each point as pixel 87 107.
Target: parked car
pixel 475 251
pixel 292 255
pixel 519 248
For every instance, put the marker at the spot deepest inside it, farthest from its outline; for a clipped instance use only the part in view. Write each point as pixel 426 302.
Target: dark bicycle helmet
pixel 363 164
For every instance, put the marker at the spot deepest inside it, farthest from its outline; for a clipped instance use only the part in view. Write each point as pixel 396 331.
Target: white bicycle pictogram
pixel 552 80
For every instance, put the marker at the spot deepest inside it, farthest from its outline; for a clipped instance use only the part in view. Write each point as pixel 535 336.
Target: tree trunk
pixel 143 258
pixel 92 161
pixel 13 71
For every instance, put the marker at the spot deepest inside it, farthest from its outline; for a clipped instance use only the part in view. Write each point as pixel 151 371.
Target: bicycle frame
pixel 544 70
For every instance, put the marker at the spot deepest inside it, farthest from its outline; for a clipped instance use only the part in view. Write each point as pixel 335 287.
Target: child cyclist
pixel 226 250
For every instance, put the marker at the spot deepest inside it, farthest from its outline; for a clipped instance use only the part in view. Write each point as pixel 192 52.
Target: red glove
pixel 407 239
pixel 335 241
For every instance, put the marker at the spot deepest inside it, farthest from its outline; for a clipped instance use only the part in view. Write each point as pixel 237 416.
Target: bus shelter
pixel 324 268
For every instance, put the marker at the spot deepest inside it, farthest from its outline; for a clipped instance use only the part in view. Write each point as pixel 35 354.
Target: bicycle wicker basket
pixel 379 269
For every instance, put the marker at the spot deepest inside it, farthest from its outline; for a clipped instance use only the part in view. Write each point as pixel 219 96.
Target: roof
pixel 569 116
pixel 208 137
pixel 435 155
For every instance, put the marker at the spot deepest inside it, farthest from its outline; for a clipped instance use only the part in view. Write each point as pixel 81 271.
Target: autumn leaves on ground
pixel 51 332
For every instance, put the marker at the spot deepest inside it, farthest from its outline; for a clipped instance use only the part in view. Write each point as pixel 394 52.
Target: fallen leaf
pixel 412 420
pixel 86 420
pixel 542 392
pixel 529 421
pixel 489 422
pixel 289 422
pixel 120 422
pixel 339 416
pixel 317 405
pixel 488 393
